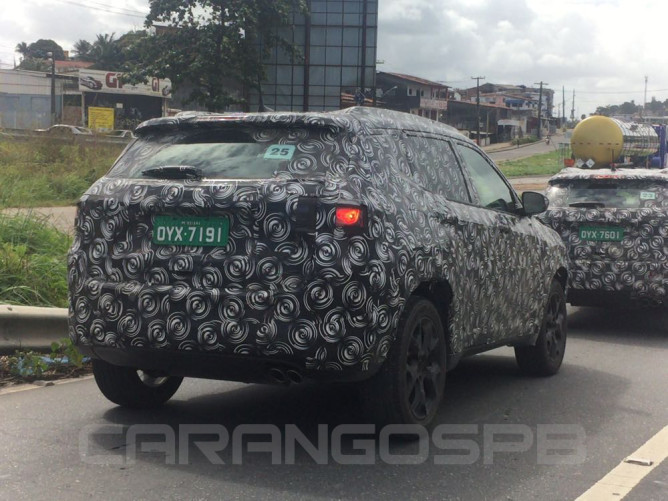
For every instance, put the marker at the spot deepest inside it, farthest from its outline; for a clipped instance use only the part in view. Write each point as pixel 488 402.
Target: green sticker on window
pixel 280 152
pixel 647 195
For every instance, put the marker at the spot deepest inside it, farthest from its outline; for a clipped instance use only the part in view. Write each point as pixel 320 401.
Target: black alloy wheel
pixel 408 388
pixel 546 356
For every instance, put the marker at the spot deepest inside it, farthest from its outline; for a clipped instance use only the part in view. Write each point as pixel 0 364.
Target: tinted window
pixel 611 193
pixel 238 153
pixel 435 167
pixel 492 189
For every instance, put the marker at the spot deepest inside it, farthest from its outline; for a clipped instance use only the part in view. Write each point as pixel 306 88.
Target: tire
pixel 545 357
pixel 408 388
pixel 133 388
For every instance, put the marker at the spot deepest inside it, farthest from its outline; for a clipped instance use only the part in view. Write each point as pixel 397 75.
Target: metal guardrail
pixel 31 327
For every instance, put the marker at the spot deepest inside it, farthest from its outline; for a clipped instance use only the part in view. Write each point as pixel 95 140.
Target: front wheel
pixel 134 388
pixel 545 357
pixel 408 388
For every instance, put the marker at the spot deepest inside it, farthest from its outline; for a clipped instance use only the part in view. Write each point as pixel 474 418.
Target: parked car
pixel 63 130
pixel 615 225
pixel 121 134
pixel 90 82
pixel 365 246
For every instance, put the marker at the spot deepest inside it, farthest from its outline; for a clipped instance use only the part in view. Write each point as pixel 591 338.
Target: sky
pixel 600 49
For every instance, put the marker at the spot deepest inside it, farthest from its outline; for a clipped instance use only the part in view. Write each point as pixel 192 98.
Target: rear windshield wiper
pixel 173 172
pixel 589 205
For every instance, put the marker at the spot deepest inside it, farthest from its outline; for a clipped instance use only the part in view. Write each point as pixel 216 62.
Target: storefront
pixel 106 99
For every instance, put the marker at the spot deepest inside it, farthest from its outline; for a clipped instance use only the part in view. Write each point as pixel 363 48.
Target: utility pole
pixel 53 86
pixel 563 108
pixel 573 107
pixel 540 102
pixel 644 102
pixel 477 107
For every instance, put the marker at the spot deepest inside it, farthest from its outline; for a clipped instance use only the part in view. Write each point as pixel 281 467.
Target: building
pixel 411 94
pixel 338 43
pixel 25 98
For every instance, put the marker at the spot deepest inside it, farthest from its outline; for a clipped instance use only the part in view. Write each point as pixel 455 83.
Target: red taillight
pixel 349 216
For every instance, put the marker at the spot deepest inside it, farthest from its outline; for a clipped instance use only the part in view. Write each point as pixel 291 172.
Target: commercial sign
pixel 100 118
pixel 112 82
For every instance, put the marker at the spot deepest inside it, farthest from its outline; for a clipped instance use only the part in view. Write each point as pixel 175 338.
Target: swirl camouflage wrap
pixel 615 226
pixel 297 238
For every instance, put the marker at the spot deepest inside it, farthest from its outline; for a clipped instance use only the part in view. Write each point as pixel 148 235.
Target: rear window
pixel 610 193
pixel 238 153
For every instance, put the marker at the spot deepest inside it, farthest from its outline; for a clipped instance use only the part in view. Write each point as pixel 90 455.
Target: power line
pixel 109 9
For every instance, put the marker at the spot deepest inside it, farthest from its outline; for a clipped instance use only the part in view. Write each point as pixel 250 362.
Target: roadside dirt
pixel 53 373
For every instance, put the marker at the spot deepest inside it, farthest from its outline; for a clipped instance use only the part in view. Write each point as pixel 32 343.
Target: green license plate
pixel 191 231
pixel 601 234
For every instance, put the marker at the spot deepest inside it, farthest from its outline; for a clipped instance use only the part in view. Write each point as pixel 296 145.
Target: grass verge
pixel 33 261
pixel 545 164
pixel 42 172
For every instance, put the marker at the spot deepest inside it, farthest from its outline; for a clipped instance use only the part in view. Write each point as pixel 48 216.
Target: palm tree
pixel 22 48
pixel 106 53
pixel 83 49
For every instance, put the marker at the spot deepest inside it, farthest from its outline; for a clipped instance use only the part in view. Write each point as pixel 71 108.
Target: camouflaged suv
pixel 615 225
pixel 364 246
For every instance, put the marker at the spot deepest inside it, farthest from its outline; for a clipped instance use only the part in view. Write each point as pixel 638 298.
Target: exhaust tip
pixel 278 375
pixel 294 376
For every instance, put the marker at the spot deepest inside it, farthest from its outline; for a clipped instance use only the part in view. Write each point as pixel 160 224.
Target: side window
pixel 435 167
pixel 492 190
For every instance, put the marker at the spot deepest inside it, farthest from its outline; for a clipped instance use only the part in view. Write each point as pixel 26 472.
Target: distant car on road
pixel 90 82
pixel 121 133
pixel 63 130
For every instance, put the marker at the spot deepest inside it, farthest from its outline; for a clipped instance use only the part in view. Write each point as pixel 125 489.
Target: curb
pixel 511 147
pixel 31 327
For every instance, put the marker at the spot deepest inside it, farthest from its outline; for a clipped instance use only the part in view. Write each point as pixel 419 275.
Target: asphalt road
pixel 68 442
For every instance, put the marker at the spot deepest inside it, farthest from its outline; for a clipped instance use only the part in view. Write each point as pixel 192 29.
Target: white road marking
pixel 625 476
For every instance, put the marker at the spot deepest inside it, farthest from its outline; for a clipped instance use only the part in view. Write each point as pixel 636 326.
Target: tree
pixel 83 49
pixel 35 56
pixel 206 43
pixel 42 47
pixel 22 48
pixel 106 53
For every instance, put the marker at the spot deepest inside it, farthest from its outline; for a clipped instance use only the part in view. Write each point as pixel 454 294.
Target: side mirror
pixel 534 203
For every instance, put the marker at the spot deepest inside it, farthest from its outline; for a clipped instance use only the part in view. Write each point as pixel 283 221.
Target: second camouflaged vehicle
pixel 615 225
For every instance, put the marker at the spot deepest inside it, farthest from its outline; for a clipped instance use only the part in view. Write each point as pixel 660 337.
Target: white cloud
pixel 601 48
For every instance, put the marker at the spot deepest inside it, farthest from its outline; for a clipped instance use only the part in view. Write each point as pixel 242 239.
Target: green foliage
pixel 626 108
pixel 33 261
pixel 43 171
pixel 26 363
pixel 537 165
pixel 66 349
pixel 206 44
pixel 35 55
pixel 524 140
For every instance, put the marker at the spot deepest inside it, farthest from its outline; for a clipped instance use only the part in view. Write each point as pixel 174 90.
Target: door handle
pixel 447 219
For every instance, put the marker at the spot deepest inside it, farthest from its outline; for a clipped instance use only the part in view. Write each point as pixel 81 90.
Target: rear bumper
pixel 601 283
pixel 245 369
pixel 232 337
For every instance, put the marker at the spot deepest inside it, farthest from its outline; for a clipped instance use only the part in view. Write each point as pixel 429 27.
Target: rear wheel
pixel 408 388
pixel 130 387
pixel 545 357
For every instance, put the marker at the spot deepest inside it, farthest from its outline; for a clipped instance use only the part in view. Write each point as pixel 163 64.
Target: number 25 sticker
pixel 280 152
